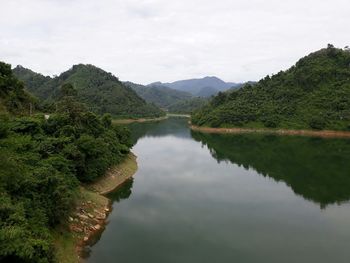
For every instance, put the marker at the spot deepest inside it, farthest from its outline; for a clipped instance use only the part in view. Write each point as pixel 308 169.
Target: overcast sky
pixel 149 40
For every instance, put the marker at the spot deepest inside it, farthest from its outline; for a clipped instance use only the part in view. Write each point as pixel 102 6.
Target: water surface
pixel 230 198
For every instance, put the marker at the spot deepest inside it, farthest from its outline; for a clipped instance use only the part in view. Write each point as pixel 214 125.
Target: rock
pixel 107 209
pixel 81 216
pixel 77 229
pixel 97 227
pixel 90 215
pixel 86 239
pixel 101 217
pixel 89 202
pixel 70 219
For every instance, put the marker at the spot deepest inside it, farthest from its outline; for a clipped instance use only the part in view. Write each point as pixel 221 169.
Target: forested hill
pixel 31 79
pixel 43 163
pixel 13 97
pixel 314 93
pixel 99 90
pixel 160 95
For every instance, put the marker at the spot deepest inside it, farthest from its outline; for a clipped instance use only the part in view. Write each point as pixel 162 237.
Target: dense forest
pixel 188 106
pixel 43 161
pixel 171 100
pixel 161 96
pixel 99 90
pixel 313 94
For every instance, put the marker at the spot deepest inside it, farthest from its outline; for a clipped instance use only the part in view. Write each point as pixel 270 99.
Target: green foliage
pixel 315 93
pixel 161 96
pixel 42 162
pixel 13 97
pixel 187 106
pixel 100 91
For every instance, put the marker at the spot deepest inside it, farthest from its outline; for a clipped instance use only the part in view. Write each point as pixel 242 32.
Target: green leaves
pixel 312 94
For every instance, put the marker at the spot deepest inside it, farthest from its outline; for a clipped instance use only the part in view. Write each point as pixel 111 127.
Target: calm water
pixel 230 198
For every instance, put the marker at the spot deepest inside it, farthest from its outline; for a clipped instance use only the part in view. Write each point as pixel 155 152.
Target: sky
pixel 160 40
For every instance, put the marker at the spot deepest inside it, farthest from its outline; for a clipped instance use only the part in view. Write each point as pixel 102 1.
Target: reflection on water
pixel 172 126
pixel 122 192
pixel 315 168
pixel 230 198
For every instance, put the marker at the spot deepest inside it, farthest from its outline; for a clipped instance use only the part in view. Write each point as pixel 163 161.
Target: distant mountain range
pixel 202 87
pixel 104 93
pixel 159 95
pixel 172 100
pixel 101 91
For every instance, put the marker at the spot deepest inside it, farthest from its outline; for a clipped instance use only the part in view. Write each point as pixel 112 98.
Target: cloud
pixel 149 40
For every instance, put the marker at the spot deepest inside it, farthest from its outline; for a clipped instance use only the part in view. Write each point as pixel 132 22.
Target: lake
pixel 230 198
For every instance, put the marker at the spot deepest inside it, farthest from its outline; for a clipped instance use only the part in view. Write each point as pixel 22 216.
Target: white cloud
pixel 150 40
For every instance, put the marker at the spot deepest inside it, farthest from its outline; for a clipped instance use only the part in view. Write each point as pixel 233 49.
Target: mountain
pixel 13 97
pixel 99 90
pixel 30 78
pixel 205 87
pixel 159 95
pixel 206 92
pixel 314 93
pixel 188 106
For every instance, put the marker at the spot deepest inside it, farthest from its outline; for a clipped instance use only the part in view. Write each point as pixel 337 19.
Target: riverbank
pixel 311 133
pixel 179 115
pixel 89 217
pixel 127 121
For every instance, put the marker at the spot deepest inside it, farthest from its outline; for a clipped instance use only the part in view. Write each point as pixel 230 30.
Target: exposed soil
pixel 312 133
pixel 89 218
pixel 127 121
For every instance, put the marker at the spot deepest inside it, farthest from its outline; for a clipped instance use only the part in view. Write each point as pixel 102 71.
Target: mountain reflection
pixel 317 169
pixel 175 126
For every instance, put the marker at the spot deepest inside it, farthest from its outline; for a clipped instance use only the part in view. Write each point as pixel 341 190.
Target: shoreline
pixel 141 120
pixel 309 133
pixel 89 216
pixel 179 115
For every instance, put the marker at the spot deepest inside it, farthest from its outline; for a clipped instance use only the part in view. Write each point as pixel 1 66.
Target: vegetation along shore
pixel 56 158
pixel 314 94
pixel 89 216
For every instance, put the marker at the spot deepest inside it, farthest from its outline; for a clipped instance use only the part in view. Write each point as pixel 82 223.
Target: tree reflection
pixel 315 168
pixel 123 191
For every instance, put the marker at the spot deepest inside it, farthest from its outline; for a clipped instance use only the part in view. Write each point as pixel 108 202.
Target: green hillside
pixel 313 94
pixel 31 79
pixel 188 106
pixel 159 95
pixel 13 97
pixel 99 90
pixel 43 162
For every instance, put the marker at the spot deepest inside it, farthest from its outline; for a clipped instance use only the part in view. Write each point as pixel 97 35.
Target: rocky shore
pixel 311 133
pixel 89 217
